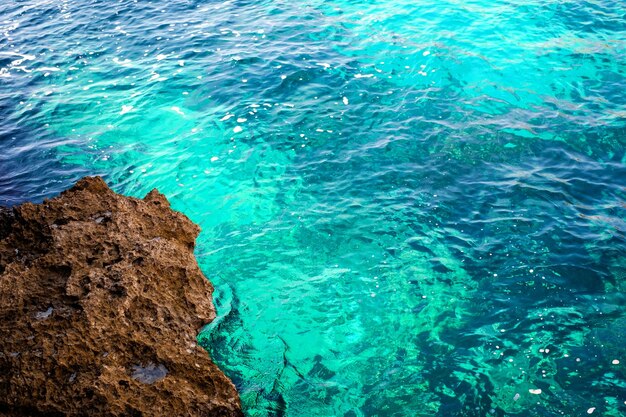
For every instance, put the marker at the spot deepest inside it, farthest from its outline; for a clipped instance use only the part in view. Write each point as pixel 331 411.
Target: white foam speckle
pixel 177 109
pixel 615 362
pixel 228 116
pixel 161 57
pixel 282 77
pixel 426 53
pixel 345 101
pixel 237 129
pixel 126 109
pixel 591 410
pixel 122 62
pixel 241 120
pixel 215 158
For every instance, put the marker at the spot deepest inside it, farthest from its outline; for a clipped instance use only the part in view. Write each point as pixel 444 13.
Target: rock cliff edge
pixel 101 300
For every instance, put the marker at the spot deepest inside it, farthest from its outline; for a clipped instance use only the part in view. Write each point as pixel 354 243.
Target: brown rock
pixel 101 299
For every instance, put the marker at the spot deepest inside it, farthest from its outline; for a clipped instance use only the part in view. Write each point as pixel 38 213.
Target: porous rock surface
pixel 101 299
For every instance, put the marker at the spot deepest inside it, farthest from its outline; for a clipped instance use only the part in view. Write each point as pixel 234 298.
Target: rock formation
pixel 101 299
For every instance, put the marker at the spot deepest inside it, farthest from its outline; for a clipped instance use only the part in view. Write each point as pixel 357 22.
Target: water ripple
pixel 406 208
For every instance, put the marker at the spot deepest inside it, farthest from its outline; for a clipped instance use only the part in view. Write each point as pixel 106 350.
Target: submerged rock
pixel 101 299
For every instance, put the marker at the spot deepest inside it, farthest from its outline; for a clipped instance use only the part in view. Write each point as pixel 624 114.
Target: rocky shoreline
pixel 101 299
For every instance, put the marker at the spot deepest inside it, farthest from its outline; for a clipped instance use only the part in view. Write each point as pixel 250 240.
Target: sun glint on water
pixel 408 208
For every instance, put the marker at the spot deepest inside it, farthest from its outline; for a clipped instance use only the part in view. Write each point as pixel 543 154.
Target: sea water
pixel 408 208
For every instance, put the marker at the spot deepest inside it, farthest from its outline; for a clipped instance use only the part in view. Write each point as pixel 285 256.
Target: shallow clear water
pixel 407 207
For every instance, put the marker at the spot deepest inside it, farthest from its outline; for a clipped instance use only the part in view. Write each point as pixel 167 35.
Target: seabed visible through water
pixel 408 208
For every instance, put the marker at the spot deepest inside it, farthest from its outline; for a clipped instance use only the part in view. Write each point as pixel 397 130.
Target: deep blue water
pixel 408 208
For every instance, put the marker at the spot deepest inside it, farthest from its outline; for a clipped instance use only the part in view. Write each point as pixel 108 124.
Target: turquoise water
pixel 408 208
